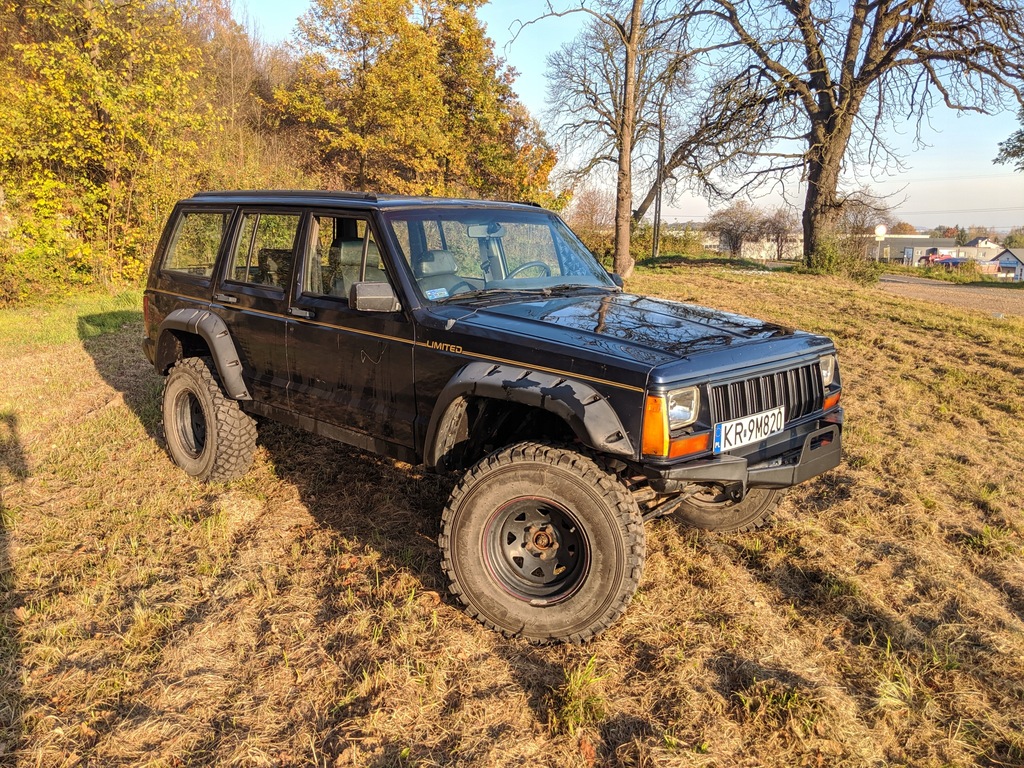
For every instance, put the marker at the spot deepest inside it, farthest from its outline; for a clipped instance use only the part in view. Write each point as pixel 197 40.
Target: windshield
pixel 468 252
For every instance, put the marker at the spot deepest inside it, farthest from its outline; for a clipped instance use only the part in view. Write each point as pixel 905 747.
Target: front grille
pixel 799 389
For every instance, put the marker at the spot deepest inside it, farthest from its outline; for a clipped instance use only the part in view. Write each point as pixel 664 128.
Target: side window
pixel 265 250
pixel 195 243
pixel 335 260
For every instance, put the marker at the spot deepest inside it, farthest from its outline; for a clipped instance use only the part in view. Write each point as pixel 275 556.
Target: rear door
pixel 253 296
pixel 349 369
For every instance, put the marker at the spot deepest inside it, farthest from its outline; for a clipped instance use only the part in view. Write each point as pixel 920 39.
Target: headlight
pixel 828 370
pixel 683 405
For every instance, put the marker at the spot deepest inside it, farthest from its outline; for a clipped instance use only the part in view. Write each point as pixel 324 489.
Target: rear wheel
pixel 713 510
pixel 208 434
pixel 542 543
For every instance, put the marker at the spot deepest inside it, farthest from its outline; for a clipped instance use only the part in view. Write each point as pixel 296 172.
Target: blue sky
pixel 952 181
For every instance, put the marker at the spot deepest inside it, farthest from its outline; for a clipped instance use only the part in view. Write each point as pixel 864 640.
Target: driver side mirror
pixel 617 279
pixel 373 297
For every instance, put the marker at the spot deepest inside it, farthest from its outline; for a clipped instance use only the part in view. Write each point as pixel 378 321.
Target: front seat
pixel 437 269
pixel 346 258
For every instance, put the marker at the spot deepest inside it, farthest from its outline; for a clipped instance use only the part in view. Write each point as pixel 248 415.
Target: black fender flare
pixel 213 330
pixel 587 412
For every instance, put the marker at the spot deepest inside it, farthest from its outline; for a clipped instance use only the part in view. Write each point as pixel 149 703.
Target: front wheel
pixel 713 510
pixel 540 542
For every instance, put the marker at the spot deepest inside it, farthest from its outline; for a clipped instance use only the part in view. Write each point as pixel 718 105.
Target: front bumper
pixel 796 455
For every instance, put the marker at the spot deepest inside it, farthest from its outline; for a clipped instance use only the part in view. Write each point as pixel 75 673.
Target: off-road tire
pixel 208 435
pixel 526 496
pixel 755 511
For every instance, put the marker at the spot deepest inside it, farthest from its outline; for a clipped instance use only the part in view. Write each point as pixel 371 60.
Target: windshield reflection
pixel 469 253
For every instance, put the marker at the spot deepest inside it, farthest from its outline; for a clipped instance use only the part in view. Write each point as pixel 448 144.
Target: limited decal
pixel 444 347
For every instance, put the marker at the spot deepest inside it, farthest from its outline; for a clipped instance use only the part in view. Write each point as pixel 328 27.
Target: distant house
pixel 1010 264
pixel 981 249
pixel 916 250
pixel 921 250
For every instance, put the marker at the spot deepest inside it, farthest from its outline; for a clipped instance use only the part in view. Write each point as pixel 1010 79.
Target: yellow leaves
pixel 415 102
pixel 97 102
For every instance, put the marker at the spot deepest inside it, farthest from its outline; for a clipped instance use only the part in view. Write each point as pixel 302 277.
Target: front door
pixel 349 369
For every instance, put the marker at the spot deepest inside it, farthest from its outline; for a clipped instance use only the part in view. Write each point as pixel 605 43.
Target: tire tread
pixel 620 500
pixel 235 438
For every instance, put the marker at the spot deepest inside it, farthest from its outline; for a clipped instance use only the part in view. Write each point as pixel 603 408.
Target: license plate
pixel 749 429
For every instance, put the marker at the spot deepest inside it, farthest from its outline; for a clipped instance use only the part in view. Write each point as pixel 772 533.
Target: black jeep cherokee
pixel 483 338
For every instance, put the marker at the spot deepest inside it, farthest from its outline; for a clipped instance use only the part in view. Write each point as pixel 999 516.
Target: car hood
pixel 656 332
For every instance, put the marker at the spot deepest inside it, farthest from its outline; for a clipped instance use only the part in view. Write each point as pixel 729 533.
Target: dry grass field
pixel 298 617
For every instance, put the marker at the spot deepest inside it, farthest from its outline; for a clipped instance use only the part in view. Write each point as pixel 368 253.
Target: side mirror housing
pixel 617 279
pixel 373 297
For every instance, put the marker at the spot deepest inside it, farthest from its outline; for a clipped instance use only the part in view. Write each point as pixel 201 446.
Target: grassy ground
pixel 298 616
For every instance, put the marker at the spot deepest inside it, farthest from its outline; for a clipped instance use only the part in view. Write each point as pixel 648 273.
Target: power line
pixel 901 212
pixel 913 180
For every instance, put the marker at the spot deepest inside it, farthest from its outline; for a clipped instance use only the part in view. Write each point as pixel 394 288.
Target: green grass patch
pixel 85 315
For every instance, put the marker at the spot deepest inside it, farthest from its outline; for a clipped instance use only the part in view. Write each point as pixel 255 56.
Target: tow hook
pixel 735 492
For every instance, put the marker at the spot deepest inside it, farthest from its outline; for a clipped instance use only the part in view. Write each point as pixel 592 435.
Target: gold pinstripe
pixel 425 345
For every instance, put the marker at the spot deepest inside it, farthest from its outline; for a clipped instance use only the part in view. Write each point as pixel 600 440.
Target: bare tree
pixel 605 87
pixel 739 223
pixel 837 75
pixel 592 210
pixel 1012 150
pixel 712 126
pixel 779 227
pixel 860 212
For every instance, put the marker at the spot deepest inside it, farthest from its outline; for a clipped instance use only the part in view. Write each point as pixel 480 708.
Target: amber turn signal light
pixel 832 401
pixel 687 445
pixel 655 436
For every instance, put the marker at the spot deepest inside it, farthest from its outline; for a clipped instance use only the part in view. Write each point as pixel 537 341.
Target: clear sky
pixel 952 181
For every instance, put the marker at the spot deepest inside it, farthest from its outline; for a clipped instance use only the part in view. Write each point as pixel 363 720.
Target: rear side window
pixel 196 242
pixel 265 250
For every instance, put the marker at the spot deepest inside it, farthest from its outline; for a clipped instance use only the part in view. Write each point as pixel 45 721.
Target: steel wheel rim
pixel 536 550
pixel 191 423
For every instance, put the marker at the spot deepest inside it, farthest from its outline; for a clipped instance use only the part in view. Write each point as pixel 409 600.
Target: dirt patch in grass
pixel 992 300
pixel 299 616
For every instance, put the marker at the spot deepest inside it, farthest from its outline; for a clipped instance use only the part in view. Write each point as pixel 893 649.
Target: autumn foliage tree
pixel 98 97
pixel 114 109
pixel 411 99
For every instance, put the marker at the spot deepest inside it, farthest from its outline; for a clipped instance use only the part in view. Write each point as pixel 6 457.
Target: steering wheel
pixel 527 265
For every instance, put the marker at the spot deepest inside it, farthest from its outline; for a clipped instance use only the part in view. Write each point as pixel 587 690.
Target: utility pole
pixel 660 182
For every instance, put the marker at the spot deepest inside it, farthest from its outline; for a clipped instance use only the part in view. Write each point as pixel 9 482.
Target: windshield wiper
pixel 551 290
pixel 564 290
pixel 483 292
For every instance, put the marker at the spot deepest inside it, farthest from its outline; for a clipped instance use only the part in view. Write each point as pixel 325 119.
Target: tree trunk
pixel 632 36
pixel 822 205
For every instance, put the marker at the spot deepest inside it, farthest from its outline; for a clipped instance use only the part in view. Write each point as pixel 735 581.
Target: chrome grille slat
pixel 799 389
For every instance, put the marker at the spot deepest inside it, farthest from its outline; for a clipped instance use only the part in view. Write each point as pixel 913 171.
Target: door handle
pixel 225 298
pixel 306 313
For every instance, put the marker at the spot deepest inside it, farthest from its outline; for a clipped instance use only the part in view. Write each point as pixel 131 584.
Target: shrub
pixel 841 258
